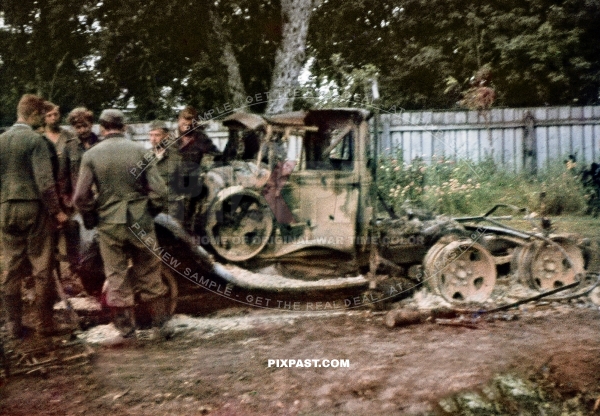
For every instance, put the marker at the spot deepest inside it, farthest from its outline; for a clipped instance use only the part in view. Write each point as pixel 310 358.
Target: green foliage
pixel 45 48
pixel 540 52
pixel 154 56
pixel 563 190
pixel 467 188
pixel 158 55
pixel 347 86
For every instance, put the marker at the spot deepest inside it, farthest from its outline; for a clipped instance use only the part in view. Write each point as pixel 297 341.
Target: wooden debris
pixel 31 359
pixel 404 317
pixel 465 323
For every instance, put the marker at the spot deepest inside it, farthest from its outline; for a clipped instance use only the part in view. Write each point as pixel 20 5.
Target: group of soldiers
pixel 48 175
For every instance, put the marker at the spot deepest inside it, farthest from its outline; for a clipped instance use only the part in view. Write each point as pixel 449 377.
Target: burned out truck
pixel 294 208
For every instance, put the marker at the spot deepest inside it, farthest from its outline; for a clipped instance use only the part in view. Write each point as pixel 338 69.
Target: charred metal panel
pixel 327 202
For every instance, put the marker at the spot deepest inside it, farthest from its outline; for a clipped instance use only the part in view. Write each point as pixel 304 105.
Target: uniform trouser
pixel 175 208
pixel 118 243
pixel 28 246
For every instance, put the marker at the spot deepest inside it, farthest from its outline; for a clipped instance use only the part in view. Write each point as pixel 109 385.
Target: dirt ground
pixel 539 359
pixel 219 366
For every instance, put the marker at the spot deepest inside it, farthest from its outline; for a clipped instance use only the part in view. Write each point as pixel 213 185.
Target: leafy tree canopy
pixel 540 52
pixel 157 55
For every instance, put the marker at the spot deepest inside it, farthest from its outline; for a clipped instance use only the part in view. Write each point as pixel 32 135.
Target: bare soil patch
pixel 219 366
pixel 539 359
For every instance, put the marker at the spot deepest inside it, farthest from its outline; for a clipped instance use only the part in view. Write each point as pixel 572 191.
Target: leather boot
pixel 13 307
pixel 124 320
pixel 159 311
pixel 45 313
pixel 44 307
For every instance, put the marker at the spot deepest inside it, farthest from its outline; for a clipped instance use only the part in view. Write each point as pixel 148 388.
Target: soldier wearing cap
pixel 168 162
pixel 29 213
pixel 128 188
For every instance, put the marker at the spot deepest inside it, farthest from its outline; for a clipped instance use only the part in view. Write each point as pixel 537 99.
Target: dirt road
pixel 544 357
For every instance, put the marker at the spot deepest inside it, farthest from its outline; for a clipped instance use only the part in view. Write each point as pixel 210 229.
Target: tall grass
pixel 471 188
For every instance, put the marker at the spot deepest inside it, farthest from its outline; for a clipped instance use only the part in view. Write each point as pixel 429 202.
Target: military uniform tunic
pixel 127 185
pixel 70 153
pixel 169 165
pixel 70 150
pixel 190 184
pixel 28 200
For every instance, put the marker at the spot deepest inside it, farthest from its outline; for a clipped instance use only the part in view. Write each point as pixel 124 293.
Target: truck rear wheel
pixel 543 266
pixel 460 271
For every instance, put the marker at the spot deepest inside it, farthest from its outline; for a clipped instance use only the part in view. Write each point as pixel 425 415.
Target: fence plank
pixel 542 147
pixel 587 144
pixel 518 156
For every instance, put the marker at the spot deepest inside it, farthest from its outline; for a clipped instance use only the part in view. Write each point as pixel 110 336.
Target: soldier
pixel 29 213
pixel 128 188
pixel 56 138
pixel 53 135
pixel 194 145
pixel 52 129
pixel 168 162
pixel 82 119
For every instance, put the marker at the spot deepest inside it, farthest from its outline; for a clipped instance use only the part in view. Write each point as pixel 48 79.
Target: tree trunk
pixel 228 59
pixel 290 54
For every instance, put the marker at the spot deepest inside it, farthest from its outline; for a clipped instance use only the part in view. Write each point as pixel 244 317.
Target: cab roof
pixel 296 119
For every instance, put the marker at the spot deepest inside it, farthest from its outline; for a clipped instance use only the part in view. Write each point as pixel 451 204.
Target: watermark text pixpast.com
pixel 315 363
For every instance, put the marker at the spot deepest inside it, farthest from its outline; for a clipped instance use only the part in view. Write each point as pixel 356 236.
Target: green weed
pixel 470 188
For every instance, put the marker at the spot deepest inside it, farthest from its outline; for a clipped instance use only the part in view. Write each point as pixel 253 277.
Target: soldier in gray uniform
pixel 70 158
pixel 129 188
pixel 169 164
pixel 29 213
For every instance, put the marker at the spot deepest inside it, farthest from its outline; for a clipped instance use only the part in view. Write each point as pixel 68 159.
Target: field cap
pixel 112 116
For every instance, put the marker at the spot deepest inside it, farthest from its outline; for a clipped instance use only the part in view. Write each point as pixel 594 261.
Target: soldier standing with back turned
pixel 126 194
pixel 29 213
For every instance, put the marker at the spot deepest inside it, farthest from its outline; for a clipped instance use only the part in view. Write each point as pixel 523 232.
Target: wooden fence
pixel 517 139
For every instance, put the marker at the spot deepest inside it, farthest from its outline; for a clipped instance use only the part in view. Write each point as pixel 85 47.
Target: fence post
pixel 529 144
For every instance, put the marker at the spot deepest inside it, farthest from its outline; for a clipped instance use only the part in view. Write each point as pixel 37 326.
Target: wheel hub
pixel 239 225
pixel 460 271
pixel 544 266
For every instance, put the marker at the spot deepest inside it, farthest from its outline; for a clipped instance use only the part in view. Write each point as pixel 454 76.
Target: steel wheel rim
pixel 461 271
pixel 549 269
pixel 239 226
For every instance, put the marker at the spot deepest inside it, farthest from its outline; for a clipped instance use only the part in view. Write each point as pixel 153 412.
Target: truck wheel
pixel 239 225
pixel 460 271
pixel 543 266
